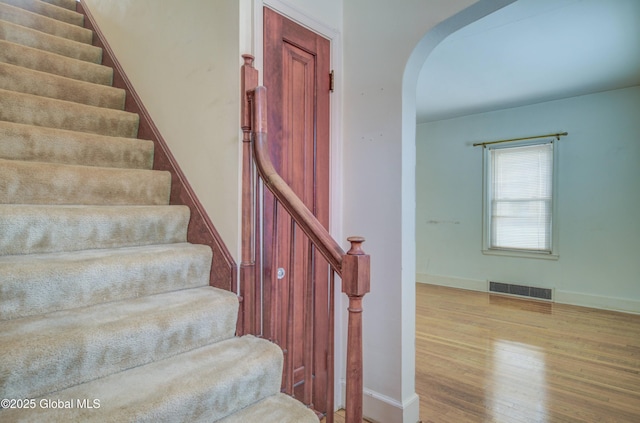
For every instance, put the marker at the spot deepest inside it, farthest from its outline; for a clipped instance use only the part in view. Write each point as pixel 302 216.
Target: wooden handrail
pixel 352 266
pixel 309 224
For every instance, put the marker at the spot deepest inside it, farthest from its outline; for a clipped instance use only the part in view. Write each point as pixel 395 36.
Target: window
pixel 519 199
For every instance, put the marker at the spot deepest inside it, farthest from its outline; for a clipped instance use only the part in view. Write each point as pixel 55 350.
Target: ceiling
pixel 532 51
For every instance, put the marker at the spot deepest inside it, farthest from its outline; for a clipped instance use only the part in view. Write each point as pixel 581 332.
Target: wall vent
pixel 521 290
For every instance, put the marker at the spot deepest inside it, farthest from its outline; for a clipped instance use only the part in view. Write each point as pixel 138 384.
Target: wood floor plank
pixel 339 417
pixel 488 358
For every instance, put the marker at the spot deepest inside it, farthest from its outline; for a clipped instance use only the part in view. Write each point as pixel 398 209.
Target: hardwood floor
pixel 339 418
pixel 488 358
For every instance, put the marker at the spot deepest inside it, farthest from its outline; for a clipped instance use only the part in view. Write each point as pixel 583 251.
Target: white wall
pixel 183 58
pixel 327 13
pixel 598 200
pixel 386 42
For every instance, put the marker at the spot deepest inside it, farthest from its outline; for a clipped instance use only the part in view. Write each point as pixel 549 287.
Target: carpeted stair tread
pixel 39 229
pixel 44 61
pixel 32 38
pixel 24 182
pixel 31 109
pixel 41 144
pixel 279 408
pixel 49 352
pixel 27 81
pixel 50 10
pixel 44 24
pixel 67 4
pixel 44 283
pixel 203 385
pixel 102 296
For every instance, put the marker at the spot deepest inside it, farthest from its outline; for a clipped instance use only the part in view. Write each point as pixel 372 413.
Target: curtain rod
pixel 558 135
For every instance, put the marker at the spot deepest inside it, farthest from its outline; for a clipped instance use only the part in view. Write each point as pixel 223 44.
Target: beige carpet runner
pixel 106 313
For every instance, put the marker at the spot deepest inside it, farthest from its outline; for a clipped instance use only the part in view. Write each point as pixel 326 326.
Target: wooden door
pixel 296 74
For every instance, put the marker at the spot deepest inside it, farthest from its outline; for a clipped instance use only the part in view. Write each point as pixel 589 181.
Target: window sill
pixel 520 254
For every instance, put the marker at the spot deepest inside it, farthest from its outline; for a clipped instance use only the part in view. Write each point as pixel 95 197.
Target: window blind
pixel 521 197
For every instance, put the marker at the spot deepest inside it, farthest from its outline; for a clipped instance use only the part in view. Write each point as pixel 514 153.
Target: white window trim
pixel 486 205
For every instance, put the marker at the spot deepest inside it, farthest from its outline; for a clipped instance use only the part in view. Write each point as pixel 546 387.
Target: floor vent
pixel 521 290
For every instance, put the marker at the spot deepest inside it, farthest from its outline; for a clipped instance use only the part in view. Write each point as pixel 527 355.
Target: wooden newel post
pixel 247 317
pixel 248 81
pixel 355 283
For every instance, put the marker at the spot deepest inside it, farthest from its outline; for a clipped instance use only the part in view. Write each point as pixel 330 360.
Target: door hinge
pixel 331 81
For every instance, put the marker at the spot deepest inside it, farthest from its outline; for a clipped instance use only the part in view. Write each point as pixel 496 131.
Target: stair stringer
pixel 131 322
pixel 201 229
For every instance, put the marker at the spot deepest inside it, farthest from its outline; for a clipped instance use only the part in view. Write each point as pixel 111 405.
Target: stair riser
pixel 31 285
pixel 39 144
pixel 50 10
pixel 39 111
pixel 27 81
pixel 75 346
pixel 44 61
pixel 48 229
pixel 43 183
pixel 67 4
pixel 39 40
pixel 100 301
pixel 44 24
pixel 279 408
pixel 203 385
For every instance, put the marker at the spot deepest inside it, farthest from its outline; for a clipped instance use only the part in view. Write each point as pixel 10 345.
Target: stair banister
pixel 353 266
pixel 355 283
pixel 309 224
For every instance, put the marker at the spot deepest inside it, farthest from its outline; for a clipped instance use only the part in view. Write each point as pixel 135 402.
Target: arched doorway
pixel 410 78
pixel 518 121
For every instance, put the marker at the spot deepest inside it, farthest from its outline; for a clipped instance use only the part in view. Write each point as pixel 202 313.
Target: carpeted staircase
pixel 106 313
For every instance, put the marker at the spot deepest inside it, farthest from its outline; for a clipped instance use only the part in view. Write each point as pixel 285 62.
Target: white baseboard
pixel 597 301
pixel 452 282
pixel 379 408
pixel 561 297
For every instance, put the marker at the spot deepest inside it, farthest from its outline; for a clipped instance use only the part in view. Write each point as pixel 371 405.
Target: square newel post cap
pixel 356 269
